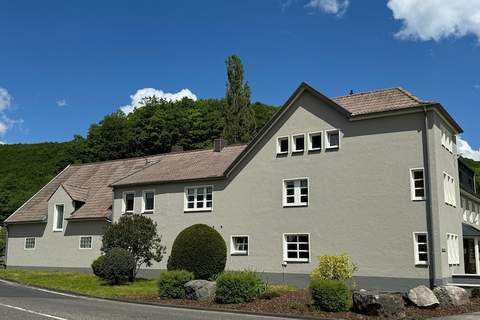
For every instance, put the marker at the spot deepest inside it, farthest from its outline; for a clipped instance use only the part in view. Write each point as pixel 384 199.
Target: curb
pixel 166 305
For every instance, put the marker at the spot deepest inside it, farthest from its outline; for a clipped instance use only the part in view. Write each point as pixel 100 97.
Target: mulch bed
pixel 298 303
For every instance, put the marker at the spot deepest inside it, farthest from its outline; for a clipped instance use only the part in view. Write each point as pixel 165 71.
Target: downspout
pixel 431 251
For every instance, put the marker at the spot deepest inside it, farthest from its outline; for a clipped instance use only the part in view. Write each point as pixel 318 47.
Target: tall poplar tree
pixel 239 116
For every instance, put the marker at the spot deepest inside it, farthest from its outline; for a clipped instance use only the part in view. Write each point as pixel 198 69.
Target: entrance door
pixel 469 256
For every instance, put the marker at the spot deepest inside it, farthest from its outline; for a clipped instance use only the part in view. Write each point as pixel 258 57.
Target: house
pixel 374 175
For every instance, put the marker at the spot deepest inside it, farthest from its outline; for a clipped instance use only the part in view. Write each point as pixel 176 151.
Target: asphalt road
pixel 23 303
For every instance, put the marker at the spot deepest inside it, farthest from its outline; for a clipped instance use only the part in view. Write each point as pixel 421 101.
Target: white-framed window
pixel 420 241
pixel 298 143
pixel 296 247
pixel 283 145
pixel 453 249
pixel 332 139
pixel 128 201
pixel 148 201
pixel 447 140
pixel 86 242
pixel 295 192
pixel 58 217
pixel 417 184
pixel 239 245
pixel 315 141
pixel 449 189
pixel 29 243
pixel 198 198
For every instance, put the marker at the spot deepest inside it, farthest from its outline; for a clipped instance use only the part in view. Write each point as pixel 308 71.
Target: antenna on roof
pixel 351 92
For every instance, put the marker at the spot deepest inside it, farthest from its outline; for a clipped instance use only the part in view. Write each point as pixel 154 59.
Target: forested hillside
pixel 152 129
pixel 475 165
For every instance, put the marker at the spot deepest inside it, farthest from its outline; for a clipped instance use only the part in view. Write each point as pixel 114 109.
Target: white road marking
pixel 33 312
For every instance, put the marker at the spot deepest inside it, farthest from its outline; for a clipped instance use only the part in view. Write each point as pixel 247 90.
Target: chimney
pixel 177 148
pixel 219 144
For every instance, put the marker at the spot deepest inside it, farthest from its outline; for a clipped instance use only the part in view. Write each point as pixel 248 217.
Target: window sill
pixel 282 153
pixel 332 148
pixel 57 230
pixel 419 199
pixel 295 205
pixel 298 151
pixel 239 253
pixel 421 264
pixel 197 210
pixel 315 150
pixel 297 261
pixel 85 248
pixel 147 212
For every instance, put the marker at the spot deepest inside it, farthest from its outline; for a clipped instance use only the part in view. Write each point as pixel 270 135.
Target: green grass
pixel 82 283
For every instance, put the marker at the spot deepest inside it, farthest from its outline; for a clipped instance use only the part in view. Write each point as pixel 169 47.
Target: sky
pixel 66 64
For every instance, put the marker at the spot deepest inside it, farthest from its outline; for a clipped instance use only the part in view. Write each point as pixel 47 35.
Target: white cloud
pixel 138 97
pixel 476 86
pixel 337 7
pixel 436 19
pixel 464 149
pixel 61 103
pixel 5 103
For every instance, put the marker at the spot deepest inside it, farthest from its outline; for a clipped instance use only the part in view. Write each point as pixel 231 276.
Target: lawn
pixel 83 283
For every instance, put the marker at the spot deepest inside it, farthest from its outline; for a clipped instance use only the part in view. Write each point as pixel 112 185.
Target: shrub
pixel 475 293
pixel 115 266
pixel 334 268
pixel 330 295
pixel 199 249
pixel 138 235
pixel 238 287
pixel 170 284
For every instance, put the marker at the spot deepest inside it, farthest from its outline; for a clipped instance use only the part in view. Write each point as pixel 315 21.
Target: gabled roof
pixel 92 183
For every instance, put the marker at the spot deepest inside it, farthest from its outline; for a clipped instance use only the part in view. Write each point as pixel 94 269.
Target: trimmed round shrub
pixel 238 287
pixel 199 249
pixel 115 266
pixel 330 295
pixel 170 284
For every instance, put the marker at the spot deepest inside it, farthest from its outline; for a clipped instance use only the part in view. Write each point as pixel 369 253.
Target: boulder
pixel 422 297
pixel 374 303
pixel 200 290
pixel 451 295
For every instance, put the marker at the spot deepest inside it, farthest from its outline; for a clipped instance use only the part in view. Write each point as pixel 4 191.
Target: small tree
pixel 334 268
pixel 138 235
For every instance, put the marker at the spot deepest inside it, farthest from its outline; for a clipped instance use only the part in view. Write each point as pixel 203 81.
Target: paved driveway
pixel 471 316
pixel 23 303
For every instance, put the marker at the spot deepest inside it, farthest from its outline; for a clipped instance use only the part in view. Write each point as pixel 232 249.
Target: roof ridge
pixel 154 155
pixel 369 92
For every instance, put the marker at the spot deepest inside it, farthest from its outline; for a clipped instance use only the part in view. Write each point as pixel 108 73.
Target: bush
pixel 475 293
pixel 138 235
pixel 330 295
pixel 334 268
pixel 115 266
pixel 238 287
pixel 199 249
pixel 170 284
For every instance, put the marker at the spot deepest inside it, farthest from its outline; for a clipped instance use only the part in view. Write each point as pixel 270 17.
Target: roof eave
pixel 144 183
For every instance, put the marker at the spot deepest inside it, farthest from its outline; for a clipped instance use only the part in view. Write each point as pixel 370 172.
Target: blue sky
pixel 64 64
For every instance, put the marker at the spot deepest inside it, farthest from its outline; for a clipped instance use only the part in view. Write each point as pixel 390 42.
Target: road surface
pixel 18 302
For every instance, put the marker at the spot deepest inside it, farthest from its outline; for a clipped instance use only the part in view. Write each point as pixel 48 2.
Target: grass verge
pixel 82 283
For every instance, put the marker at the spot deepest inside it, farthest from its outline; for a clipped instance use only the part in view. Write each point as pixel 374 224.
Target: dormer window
pixel 128 202
pixel 58 217
pixel 298 143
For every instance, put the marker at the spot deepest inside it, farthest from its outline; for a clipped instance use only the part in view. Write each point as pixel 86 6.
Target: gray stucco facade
pixel 359 202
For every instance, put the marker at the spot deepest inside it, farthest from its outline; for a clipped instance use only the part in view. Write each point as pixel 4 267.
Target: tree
pixel 138 235
pixel 3 240
pixel 239 116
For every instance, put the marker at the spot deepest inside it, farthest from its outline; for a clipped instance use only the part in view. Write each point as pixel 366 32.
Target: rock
pixel 422 297
pixel 200 290
pixel 451 295
pixel 374 303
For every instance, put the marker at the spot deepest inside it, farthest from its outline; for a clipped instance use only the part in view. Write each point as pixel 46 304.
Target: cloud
pixel 464 149
pixel 476 86
pixel 436 19
pixel 138 97
pixel 5 103
pixel 62 103
pixel 337 7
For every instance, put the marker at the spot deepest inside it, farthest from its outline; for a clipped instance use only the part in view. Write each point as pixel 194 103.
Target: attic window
pixel 298 143
pixel 332 139
pixel 282 145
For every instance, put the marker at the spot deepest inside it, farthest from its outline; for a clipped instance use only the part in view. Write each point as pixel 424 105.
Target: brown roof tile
pixel 379 101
